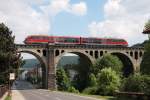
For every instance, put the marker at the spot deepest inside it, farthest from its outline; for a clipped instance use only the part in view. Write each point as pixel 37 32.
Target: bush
pixel 108 81
pixel 134 83
pixel 92 80
pixel 73 90
pixel 147 84
pixel 137 83
pixel 90 90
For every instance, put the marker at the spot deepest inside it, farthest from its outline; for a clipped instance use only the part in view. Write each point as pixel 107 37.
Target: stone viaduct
pixel 49 56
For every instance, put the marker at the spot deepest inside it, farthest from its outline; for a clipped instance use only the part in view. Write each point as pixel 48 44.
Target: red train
pixel 38 39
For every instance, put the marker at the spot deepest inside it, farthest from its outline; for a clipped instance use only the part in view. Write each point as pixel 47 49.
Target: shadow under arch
pixel 127 63
pixel 86 63
pixel 43 66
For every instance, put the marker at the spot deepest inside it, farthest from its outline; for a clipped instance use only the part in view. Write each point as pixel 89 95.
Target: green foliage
pixel 8 97
pixel 147 84
pixel 63 81
pixel 92 80
pixel 137 83
pixel 108 81
pixel 72 89
pixel 108 61
pixel 134 83
pixel 90 90
pixel 9 59
pixel 145 65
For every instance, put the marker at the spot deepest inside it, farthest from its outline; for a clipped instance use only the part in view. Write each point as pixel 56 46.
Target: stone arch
pixel 43 66
pixel 79 53
pixel 85 65
pixel 128 66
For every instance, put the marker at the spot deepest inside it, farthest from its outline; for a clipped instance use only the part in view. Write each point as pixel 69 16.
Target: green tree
pixel 136 83
pixel 147 84
pixel 63 81
pixel 9 59
pixel 92 80
pixel 107 61
pixel 108 81
pixel 145 65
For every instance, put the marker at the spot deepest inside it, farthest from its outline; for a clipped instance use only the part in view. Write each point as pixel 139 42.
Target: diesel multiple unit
pixel 39 39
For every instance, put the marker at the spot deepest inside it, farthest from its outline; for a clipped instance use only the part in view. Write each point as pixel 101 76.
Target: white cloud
pixel 57 6
pixel 79 9
pixel 22 19
pixel 25 17
pixel 123 20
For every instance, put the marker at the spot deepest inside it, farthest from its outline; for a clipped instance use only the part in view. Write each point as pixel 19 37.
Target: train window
pixel 90 40
pixel 45 38
pixel 117 40
pixel 84 40
pixel 29 37
pixel 71 40
pixel 51 38
pixel 61 39
pixel 109 40
pixel 34 37
pixel 39 37
pixel 97 41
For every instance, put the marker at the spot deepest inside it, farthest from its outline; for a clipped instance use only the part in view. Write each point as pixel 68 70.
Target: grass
pixel 8 97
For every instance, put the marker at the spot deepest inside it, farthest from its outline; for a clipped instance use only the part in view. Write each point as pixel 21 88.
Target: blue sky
pixel 92 18
pixel 68 24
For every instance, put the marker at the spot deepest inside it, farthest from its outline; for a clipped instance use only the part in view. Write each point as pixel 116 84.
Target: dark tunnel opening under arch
pixel 42 65
pixel 86 63
pixel 127 64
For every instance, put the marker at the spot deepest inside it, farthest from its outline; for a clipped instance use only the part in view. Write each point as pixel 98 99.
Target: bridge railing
pixel 77 46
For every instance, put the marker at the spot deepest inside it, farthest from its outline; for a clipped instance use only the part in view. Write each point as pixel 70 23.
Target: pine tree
pixel 9 59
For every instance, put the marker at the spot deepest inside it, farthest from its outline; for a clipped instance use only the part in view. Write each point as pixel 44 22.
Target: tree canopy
pixel 108 61
pixel 108 81
pixel 9 59
pixel 145 65
pixel 63 81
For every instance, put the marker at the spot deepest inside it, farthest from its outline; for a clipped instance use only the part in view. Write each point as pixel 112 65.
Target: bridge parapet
pixel 60 46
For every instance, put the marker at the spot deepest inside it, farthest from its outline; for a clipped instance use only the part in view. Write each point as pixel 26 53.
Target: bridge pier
pixel 136 65
pixel 51 76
